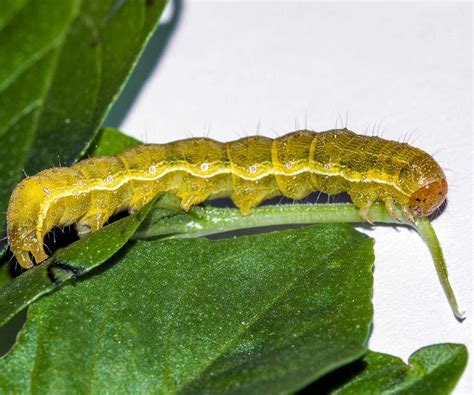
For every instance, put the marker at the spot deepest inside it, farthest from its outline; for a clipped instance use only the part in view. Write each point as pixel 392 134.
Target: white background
pixel 392 67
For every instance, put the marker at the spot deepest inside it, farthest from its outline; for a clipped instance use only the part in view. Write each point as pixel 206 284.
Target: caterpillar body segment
pixel 248 170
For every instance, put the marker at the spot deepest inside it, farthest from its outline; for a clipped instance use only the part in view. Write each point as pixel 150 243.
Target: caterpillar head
pixel 429 197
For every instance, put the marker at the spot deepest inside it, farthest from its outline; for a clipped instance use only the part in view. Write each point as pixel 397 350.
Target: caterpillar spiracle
pixel 248 170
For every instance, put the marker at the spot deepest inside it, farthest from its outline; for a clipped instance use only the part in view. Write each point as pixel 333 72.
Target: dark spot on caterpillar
pixel 62 266
pixel 150 3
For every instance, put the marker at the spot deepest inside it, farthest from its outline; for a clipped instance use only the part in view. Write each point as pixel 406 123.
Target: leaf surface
pixel 255 314
pixel 110 141
pixel 433 369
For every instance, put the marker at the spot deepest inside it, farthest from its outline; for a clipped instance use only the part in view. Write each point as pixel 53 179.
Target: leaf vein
pixel 20 114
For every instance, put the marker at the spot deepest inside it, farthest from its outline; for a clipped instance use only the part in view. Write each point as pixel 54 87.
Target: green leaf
pixel 430 370
pixel 62 64
pixel 110 141
pixel 9 9
pixel 255 314
pixel 5 276
pixel 67 263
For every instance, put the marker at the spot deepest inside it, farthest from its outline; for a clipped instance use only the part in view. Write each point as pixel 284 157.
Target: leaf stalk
pixel 168 221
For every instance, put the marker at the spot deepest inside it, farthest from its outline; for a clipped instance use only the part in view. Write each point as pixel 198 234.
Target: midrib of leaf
pixel 55 48
pixel 20 114
pixel 34 58
pixel 227 345
pixel 417 373
pixel 28 64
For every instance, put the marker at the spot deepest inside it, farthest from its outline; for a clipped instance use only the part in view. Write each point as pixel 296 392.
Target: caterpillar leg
pixel 23 259
pixel 245 205
pixel 23 255
pixel 399 212
pixel 91 224
pixel 249 194
pixel 364 214
pixel 38 252
pixel 392 209
pixel 364 201
pixel 194 190
pixel 26 246
pixel 137 204
pixel 187 201
pixel 408 214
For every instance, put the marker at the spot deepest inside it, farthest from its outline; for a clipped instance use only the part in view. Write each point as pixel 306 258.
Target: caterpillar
pixel 248 170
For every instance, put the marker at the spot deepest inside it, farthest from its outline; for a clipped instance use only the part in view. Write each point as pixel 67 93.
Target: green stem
pixel 427 233
pixel 168 221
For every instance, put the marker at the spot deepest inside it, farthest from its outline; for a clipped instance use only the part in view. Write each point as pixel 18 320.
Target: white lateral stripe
pixel 45 206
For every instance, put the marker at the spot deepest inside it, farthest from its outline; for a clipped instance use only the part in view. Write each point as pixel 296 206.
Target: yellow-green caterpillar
pixel 248 170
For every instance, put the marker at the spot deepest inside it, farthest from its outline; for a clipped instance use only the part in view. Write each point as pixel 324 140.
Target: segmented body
pixel 248 170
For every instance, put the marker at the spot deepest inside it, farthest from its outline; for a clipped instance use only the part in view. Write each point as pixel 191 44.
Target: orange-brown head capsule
pixel 429 197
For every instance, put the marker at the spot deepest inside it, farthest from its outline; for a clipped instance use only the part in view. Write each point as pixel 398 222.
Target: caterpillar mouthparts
pixel 248 170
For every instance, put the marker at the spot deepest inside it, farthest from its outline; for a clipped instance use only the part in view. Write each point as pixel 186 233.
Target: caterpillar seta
pixel 249 170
